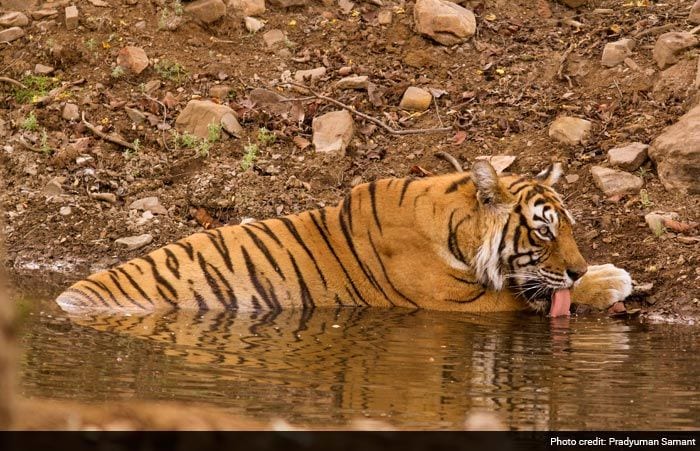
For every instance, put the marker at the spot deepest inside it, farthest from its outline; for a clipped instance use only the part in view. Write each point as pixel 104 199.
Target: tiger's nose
pixel 576 273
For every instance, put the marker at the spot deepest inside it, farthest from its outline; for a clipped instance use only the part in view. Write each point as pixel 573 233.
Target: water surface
pixel 417 370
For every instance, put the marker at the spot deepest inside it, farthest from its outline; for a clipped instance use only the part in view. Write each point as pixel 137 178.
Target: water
pixel 417 370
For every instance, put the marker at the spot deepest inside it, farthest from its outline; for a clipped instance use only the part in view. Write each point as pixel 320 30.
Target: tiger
pixel 469 242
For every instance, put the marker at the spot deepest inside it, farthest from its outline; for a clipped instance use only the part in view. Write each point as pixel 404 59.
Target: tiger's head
pixel 529 245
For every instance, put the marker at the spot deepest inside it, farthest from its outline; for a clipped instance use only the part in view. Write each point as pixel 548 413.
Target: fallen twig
pixel 654 30
pixel 373 120
pixel 55 92
pixel 28 146
pixel 562 61
pixel 165 117
pixel 450 159
pixel 106 137
pixel 12 82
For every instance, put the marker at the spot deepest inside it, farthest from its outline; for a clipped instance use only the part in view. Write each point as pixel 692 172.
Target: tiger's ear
pixel 551 175
pixel 488 188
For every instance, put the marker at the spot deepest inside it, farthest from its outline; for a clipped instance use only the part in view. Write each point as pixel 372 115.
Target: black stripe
pixel 466 301
pixel 211 281
pixel 467 281
pixel 266 252
pixel 104 288
pixel 520 180
pixel 406 183
pixel 172 262
pixel 373 199
pixel 187 246
pixel 386 275
pixel 322 214
pixel 265 228
pixel 252 273
pixel 452 239
pixel 454 186
pixel 338 301
pixel 160 280
pixel 306 299
pixel 295 233
pixel 133 283
pixel 117 283
pixel 346 209
pixel 221 247
pixel 98 295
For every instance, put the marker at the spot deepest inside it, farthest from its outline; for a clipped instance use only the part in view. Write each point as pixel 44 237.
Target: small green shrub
pixel 30 123
pixel 251 153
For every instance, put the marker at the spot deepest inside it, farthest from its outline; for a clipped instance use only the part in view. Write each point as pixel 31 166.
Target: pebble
pixel 247 7
pixel 570 130
pixel 14 19
pixel 333 131
pixel 415 99
pixel 105 197
pixel 571 178
pixel 615 183
pixel 134 59
pixel 694 16
pixel 41 69
pixel 71 17
pixel 253 25
pixel 629 157
pixel 11 34
pixel 353 82
pixel 444 21
pixel 196 117
pixel 150 203
pixel 70 112
pixel 207 11
pixel 615 53
pixel 656 221
pixel 669 46
pixel 384 17
pixel 65 211
pixel 302 76
pixel 136 116
pixel 135 242
pixel 274 38
pixel 54 187
pixel 345 70
pixel 219 91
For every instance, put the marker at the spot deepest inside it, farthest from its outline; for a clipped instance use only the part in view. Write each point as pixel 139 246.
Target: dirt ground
pixel 530 62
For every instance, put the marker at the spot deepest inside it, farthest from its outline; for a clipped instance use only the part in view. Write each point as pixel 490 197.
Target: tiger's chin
pixel 538 297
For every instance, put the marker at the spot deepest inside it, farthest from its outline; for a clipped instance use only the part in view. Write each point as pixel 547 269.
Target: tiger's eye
pixel 544 231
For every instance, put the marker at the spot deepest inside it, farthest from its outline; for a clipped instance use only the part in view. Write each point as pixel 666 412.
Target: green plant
pixel 644 198
pixel 251 153
pixel 44 143
pixel 30 123
pixel 186 140
pixel 136 144
pixel 91 44
pixel 171 70
pixel 213 132
pixel 642 172
pixel 178 8
pixel 35 87
pixel 266 137
pixel 117 72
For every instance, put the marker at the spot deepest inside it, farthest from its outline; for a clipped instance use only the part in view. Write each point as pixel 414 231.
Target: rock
pixel 629 157
pixel 274 38
pixel 571 178
pixel 247 7
pixel 230 125
pixel 151 204
pixel 676 81
pixel 40 69
pixel 416 99
pixel 253 25
pixel 133 59
pixel 199 114
pixel 70 112
pixel 170 100
pixel 669 45
pixel 11 34
pixel 570 130
pixel 615 53
pixel 135 242
pixel 384 17
pixel 136 116
pixel 219 91
pixel 676 154
pixel 71 17
pixel 302 76
pixel 345 70
pixel 288 3
pixel 18 5
pixel 615 183
pixel 444 21
pixel 105 197
pixel 574 3
pixel 270 101
pixel 65 211
pixel 499 162
pixel 656 220
pixel 44 13
pixel 353 82
pixel 333 131
pixel 54 187
pixel 14 19
pixel 694 16
pixel 207 11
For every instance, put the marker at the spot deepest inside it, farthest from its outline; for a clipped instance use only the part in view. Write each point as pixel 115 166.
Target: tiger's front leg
pixel 602 286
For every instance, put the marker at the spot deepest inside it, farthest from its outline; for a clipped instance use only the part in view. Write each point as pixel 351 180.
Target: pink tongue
pixel 561 301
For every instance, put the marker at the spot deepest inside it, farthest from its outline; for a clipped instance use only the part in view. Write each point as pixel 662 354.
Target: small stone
pixel 230 125
pixel 570 130
pixel 170 100
pixel 694 16
pixel 133 59
pixel 207 11
pixel 136 116
pixel 615 183
pixel 70 112
pixel 140 25
pixel 302 76
pixel 615 53
pixel 41 69
pixel 151 86
pixel 54 187
pixel 18 5
pixel 332 131
pixel 574 3
pixel 65 211
pixel 219 91
pixel 71 17
pixel 14 19
pixel 105 197
pixel 444 21
pixel 253 25
pixel 353 82
pixel 11 34
pixel 656 220
pixel 629 157
pixel 135 242
pixel 571 178
pixel 499 162
pixel 345 70
pixel 384 17
pixel 669 46
pixel 287 3
pixel 151 204
pixel 416 99
pixel 247 7
pixel 198 115
pixel 274 38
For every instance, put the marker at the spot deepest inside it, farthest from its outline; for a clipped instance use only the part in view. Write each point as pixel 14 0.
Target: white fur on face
pixel 487 259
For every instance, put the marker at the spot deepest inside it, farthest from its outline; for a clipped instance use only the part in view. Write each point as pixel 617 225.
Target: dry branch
pixel 12 82
pixel 450 159
pixel 106 137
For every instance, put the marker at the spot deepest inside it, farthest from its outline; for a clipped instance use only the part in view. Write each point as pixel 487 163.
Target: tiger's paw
pixel 602 286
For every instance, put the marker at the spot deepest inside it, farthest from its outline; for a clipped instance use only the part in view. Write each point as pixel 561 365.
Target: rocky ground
pixel 128 124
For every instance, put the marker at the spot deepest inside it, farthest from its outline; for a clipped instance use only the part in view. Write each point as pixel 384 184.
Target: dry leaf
pixel 204 219
pixel 301 143
pixel 419 171
pixel 459 137
pixel 680 227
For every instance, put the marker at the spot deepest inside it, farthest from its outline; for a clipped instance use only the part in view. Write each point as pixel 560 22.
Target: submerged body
pixel 461 242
